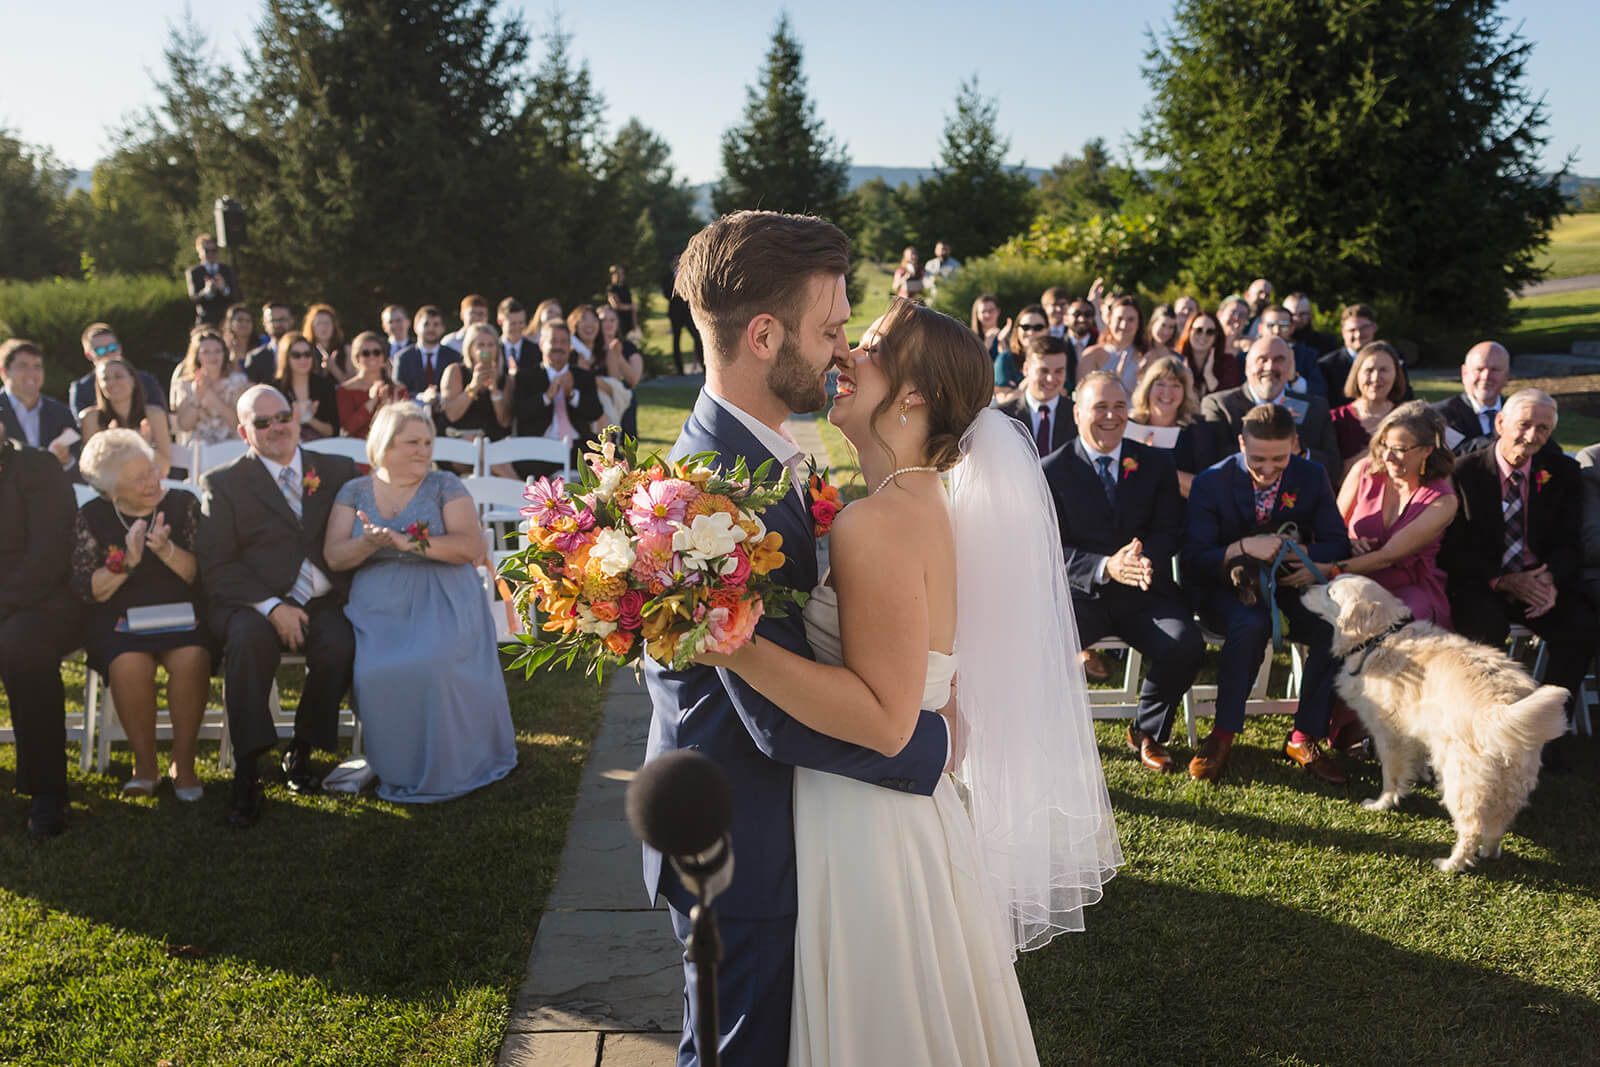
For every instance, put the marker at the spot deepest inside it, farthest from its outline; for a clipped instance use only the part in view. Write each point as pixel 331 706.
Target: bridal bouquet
pixel 668 558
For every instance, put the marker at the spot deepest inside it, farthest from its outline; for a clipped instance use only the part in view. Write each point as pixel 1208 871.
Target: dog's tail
pixel 1536 718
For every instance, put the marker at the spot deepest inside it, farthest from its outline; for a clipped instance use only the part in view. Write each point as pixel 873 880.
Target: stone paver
pixel 604 961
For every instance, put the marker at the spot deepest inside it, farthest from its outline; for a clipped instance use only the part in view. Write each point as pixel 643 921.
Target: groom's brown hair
pixel 752 263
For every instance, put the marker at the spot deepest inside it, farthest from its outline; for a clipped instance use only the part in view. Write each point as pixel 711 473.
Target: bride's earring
pixel 903 407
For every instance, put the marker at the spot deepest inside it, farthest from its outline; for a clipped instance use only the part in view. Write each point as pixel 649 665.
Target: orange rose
pixel 606 610
pixel 619 641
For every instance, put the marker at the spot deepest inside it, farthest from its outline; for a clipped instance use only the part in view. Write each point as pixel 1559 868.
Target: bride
pixel 911 912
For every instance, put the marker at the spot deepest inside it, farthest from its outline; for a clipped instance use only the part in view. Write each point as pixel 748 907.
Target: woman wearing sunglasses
pixel 373 386
pixel 1214 369
pixel 311 393
pixel 1031 322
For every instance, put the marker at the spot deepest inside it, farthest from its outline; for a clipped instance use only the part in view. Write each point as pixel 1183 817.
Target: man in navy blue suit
pixel 1240 507
pixel 767 293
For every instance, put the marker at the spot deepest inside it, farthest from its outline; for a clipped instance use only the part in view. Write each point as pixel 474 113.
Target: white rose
pixel 610 479
pixel 612 552
pixel 708 537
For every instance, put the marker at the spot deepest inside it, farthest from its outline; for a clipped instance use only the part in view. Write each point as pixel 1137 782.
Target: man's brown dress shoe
pixel 1094 666
pixel 1309 755
pixel 1207 763
pixel 1152 753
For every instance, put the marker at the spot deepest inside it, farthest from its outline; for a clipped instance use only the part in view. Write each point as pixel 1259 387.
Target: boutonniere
pixel 116 560
pixel 311 482
pixel 825 502
pixel 418 533
pixel 1540 479
pixel 1130 466
pixel 1287 499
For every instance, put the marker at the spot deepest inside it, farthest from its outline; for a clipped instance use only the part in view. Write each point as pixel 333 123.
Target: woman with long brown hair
pixel 309 390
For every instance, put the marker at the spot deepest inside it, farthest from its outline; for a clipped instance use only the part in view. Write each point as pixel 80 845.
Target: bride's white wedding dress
pixel 900 957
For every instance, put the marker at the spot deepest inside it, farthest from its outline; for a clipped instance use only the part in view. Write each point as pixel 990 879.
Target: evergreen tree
pixel 34 230
pixel 972 200
pixel 881 232
pixel 781 158
pixel 1079 188
pixel 376 161
pixel 641 190
pixel 1318 144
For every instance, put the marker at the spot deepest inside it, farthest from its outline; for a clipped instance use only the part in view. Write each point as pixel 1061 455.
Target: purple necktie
pixel 1042 437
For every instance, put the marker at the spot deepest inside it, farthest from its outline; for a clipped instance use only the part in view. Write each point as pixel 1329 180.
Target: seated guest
pixel 239 335
pixel 1039 404
pixel 1234 313
pixel 1469 417
pixel 205 388
pixel 433 727
pixel 100 344
pixel 270 591
pixel 479 405
pixel 1008 371
pixel 1277 322
pixel 1305 332
pixel 1358 327
pixel 420 367
pixel 372 388
pixel 1121 515
pixel 1185 308
pixel 618 371
pixel 584 326
pixel 1268 369
pixel 1375 384
pixel 1164 400
pixel 321 328
pixel 474 310
pixel 261 365
pixel 1121 350
pixel 26 414
pixel 1082 331
pixel 39 624
pixel 986 324
pixel 310 392
pixel 1213 367
pixel 1397 503
pixel 1055 301
pixel 1237 507
pixel 119 400
pixel 513 319
pixel 133 547
pixel 1513 553
pixel 396 321
pixel 553 398
pixel 1161 338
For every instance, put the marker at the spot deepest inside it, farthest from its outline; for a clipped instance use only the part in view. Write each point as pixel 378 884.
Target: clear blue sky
pixel 884 75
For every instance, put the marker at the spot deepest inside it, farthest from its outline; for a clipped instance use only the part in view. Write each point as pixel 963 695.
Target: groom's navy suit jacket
pixel 754 742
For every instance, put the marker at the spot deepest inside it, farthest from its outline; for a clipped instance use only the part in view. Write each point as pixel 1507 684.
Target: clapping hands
pixel 1534 588
pixel 1130 566
pixel 379 536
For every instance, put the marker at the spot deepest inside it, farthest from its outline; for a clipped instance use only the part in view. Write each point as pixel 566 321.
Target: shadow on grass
pixel 1169 974
pixel 364 896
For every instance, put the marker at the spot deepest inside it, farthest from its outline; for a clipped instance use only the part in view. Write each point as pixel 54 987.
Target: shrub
pixel 150 312
pixel 1016 281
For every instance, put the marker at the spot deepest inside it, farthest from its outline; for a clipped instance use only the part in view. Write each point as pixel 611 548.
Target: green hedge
pixel 150 312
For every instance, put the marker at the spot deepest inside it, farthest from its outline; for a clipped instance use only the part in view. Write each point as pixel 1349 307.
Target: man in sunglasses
pixel 271 591
pixel 100 344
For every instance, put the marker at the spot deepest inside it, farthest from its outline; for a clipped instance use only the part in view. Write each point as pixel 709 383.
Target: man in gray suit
pixel 1268 366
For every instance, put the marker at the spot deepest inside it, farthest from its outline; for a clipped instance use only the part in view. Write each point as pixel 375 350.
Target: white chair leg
pixel 1189 719
pixel 91 708
pixel 108 719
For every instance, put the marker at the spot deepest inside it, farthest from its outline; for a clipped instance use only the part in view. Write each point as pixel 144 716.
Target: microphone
pixel 680 805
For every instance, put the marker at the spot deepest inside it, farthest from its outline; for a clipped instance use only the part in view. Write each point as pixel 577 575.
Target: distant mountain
pixel 893 176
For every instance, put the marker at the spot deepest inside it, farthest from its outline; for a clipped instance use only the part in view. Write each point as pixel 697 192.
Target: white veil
pixel 1037 794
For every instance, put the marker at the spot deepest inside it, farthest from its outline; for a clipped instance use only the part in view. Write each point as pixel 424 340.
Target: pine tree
pixel 781 158
pixel 33 228
pixel 972 200
pixel 1355 150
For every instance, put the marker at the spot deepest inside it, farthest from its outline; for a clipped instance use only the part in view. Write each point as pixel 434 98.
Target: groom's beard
pixel 799 387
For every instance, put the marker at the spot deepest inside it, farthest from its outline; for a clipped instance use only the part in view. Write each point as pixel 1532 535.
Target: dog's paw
pixel 1487 853
pixel 1382 802
pixel 1450 865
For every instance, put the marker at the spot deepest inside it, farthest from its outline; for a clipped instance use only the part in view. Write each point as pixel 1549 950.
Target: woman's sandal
pixel 139 787
pixel 187 794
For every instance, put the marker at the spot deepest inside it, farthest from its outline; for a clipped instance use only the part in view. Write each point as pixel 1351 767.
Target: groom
pixel 767 292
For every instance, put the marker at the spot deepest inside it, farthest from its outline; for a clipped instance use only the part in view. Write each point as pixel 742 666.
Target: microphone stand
pixel 707 873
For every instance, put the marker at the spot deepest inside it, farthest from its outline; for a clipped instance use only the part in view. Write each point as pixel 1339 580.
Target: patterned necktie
pixel 1516 522
pixel 1041 437
pixel 1106 480
pixel 291 491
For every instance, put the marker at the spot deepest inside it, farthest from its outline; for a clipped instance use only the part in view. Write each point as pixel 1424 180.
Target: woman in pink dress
pixel 1397 502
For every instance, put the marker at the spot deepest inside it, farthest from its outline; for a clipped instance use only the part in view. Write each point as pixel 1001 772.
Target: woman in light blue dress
pixel 435 721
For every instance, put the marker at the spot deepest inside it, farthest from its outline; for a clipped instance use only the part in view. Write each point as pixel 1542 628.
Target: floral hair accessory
pixel 116 560
pixel 418 533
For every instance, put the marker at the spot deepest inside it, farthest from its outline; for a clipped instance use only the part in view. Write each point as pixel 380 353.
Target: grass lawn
pixel 1574 247
pixel 337 931
pixel 1551 323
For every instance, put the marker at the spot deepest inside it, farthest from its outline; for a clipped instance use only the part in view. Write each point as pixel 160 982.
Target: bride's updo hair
pixel 945 362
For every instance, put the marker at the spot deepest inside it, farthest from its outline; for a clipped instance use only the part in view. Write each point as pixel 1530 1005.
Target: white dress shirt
pixel 782 447
pixel 320 584
pixel 26 418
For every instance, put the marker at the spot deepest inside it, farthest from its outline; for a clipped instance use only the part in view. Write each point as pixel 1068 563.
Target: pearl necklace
pixel 898 473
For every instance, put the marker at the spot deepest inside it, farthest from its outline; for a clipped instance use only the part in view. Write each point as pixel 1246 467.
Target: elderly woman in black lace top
pixel 133 547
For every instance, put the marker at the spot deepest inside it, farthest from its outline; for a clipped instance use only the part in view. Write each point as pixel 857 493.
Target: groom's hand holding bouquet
pixel 671 559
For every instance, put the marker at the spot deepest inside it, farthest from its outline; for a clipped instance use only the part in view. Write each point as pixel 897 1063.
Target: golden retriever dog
pixel 1431 696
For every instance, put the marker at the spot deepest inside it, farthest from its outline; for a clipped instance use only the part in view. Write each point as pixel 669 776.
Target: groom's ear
pixel 764 335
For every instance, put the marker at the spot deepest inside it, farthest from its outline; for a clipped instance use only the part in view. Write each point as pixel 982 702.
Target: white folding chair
pixel 212 456
pixel 186 456
pixel 351 448
pixel 529 449
pixel 456 450
pixel 191 488
pixel 499 501
pixel 283 722
pixel 84 493
pixel 1122 702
